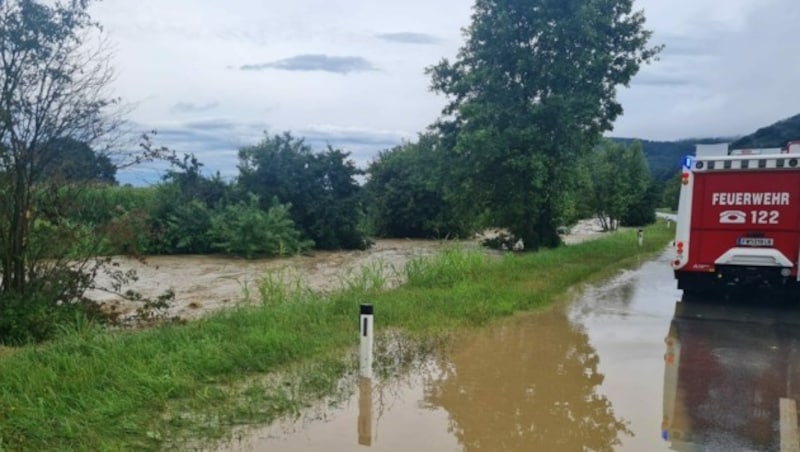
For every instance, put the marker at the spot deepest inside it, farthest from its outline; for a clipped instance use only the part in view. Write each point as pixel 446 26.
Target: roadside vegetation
pixel 518 146
pixel 96 389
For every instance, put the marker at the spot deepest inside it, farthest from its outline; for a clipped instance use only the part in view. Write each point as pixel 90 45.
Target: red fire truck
pixel 738 222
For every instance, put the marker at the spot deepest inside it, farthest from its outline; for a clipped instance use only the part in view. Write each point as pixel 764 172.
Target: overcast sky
pixel 211 75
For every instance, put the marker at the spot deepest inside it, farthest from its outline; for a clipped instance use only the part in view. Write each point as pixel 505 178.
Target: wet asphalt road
pixel 625 366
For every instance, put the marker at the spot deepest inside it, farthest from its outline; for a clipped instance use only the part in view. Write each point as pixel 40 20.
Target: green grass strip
pixel 97 390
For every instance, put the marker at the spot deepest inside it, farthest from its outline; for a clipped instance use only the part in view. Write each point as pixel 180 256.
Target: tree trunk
pixel 528 233
pixel 548 230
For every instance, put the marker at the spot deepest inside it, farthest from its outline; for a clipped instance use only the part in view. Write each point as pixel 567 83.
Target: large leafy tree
pixel 533 87
pixel 320 186
pixel 409 195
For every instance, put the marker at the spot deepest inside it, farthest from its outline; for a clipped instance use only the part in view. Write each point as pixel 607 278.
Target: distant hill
pixel 773 136
pixel 665 157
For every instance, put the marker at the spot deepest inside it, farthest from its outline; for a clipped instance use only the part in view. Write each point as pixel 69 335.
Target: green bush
pixel 247 230
pixel 34 317
pixel 129 232
pixel 182 228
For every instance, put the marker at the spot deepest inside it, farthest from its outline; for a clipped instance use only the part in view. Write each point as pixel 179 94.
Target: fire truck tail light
pixel 676 262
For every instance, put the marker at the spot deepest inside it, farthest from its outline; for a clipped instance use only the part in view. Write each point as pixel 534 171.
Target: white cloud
pixel 740 59
pixel 729 67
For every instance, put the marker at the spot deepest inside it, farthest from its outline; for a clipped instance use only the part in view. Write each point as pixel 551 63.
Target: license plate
pixel 754 241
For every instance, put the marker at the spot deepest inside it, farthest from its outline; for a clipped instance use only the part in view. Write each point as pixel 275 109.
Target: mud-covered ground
pixel 204 284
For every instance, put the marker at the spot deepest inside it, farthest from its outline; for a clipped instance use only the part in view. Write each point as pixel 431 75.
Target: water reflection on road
pixel 732 378
pixel 596 373
pixel 529 384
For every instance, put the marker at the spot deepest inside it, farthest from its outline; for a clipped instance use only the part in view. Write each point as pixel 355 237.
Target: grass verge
pixel 97 390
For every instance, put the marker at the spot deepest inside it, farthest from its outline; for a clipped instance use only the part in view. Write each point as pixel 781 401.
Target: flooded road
pixel 625 366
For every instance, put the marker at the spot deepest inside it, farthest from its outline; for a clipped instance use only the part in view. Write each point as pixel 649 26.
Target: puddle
pixel 530 383
pixel 624 367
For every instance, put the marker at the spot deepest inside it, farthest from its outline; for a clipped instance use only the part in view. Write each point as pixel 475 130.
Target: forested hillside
pixel 664 157
pixel 773 136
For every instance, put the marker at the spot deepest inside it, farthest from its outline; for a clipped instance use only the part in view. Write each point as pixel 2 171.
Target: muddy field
pixel 204 284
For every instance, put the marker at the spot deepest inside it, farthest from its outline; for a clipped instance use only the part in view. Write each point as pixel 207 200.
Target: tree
pixel 408 192
pixel 321 188
pixel 773 136
pixel 70 161
pixel 53 101
pixel 52 88
pixel 672 191
pixel 186 202
pixel 644 192
pixel 621 189
pixel 533 88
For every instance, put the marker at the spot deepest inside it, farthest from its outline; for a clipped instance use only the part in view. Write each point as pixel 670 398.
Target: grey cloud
pixel 339 65
pixel 409 38
pixel 376 140
pixel 661 80
pixel 214 145
pixel 189 107
pixel 216 142
pixel 210 124
pixel 684 46
pixel 363 145
pixel 685 49
pixel 188 138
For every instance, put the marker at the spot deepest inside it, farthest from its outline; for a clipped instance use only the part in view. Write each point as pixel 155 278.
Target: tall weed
pixel 372 277
pixel 277 287
pixel 445 269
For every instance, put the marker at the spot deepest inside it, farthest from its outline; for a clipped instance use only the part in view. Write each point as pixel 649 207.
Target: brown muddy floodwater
pixel 203 284
pixel 625 366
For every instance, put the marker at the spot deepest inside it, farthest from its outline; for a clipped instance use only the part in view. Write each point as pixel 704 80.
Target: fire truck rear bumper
pixel 754 257
pixel 726 278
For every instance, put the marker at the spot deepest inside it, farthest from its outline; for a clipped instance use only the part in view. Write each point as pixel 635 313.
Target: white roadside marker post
pixel 641 237
pixel 365 380
pixel 366 330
